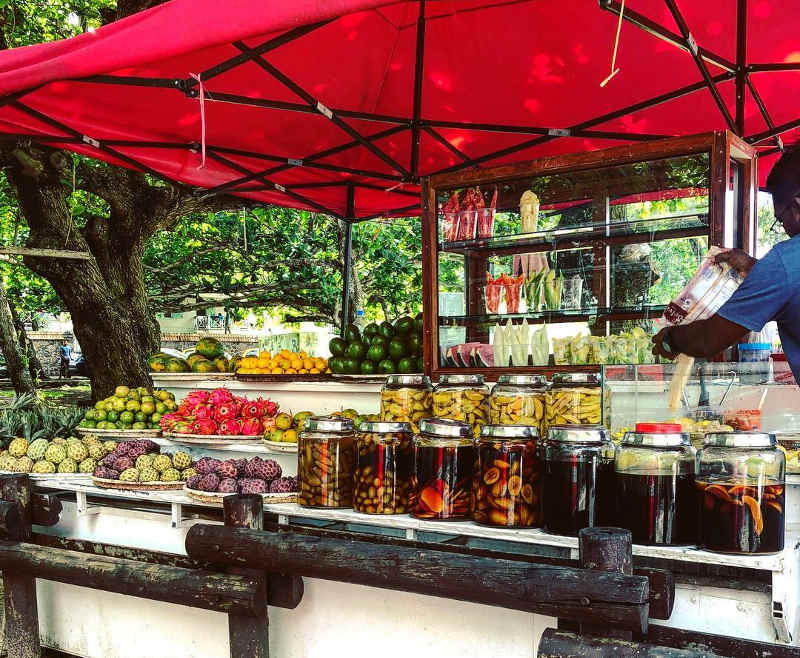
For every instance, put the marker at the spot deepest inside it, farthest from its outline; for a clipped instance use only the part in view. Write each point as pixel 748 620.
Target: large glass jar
pixel 464 398
pixel 575 398
pixel 444 458
pixel 406 399
pixel 656 497
pixel 384 460
pixel 518 400
pixel 741 482
pixel 507 488
pixel 579 487
pixel 325 462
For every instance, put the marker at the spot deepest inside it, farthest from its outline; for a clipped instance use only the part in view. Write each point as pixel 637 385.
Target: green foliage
pixel 26 22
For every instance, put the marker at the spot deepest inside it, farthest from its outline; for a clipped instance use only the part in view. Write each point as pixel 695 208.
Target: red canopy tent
pixel 340 106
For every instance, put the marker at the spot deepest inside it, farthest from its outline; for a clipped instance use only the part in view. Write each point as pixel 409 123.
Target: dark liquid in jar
pixel 741 518
pixel 443 482
pixel 325 473
pixel 383 477
pixel 578 493
pixel 657 509
pixel 507 490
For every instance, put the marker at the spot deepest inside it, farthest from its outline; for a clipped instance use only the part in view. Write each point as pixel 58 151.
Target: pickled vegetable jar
pixel 444 457
pixel 384 460
pixel 406 399
pixel 575 398
pixel 741 483
pixel 656 497
pixel 518 400
pixel 507 488
pixel 579 489
pixel 464 398
pixel 325 459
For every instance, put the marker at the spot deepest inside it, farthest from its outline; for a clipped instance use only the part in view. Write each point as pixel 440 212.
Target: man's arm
pixel 703 339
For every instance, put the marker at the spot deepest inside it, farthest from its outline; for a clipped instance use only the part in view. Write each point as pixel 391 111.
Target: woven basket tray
pixel 119 434
pixel 212 439
pixel 210 498
pixel 137 486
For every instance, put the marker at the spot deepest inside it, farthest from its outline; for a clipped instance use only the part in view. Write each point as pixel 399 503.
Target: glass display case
pixel 566 262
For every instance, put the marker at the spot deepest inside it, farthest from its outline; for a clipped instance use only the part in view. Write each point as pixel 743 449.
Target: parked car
pixel 77 365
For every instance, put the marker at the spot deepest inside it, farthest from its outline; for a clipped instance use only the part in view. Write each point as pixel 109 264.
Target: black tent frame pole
pixel 419 65
pixel 741 64
pixel 347 273
pixel 763 109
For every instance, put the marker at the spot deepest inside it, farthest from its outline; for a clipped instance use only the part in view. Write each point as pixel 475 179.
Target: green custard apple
pixel 144 461
pixel 181 460
pixel 110 446
pixel 186 473
pixel 171 475
pixel 68 465
pixel 7 462
pixel 148 474
pixel 18 447
pixel 161 463
pixel 87 465
pixel 55 453
pixel 43 466
pixel 129 475
pixel 77 451
pixel 37 449
pixel 97 451
pixel 24 465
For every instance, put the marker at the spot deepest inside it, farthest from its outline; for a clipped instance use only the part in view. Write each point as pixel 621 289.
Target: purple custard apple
pixel 227 469
pixel 106 473
pixel 122 448
pixel 207 465
pixel 123 464
pixel 281 485
pixel 267 469
pixel 194 482
pixel 253 486
pixel 228 485
pixel 209 482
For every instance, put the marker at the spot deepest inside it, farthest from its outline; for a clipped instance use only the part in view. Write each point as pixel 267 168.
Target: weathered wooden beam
pixel 614 599
pixel 557 644
pixel 200 589
pixel 21 609
pixel 248 636
pixel 46 253
pixel 662 591
pixel 45 509
pixel 10 519
pixel 282 591
pixel 722 645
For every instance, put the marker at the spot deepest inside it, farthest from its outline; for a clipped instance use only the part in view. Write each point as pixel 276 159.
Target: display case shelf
pixel 550 317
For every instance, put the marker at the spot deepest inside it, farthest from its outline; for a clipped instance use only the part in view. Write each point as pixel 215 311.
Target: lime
pixel 112 416
pixel 397 349
pixel 414 345
pixel 140 417
pixel 386 329
pixel 89 415
pixel 351 366
pixel 356 350
pixel 337 346
pixel 126 426
pixel 379 340
pixel 89 423
pixel 404 326
pixel 376 352
pixel 99 414
pixel 368 368
pixel 126 417
pixel 155 418
pixel 406 365
pixel 386 367
pixel 370 330
pixel 351 333
pixel 140 426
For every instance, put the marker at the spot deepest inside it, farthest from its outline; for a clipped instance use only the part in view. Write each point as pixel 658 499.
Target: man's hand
pixel 658 344
pixel 737 259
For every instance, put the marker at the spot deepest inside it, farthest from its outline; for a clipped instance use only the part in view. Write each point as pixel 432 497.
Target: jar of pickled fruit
pixel 406 399
pixel 444 457
pixel 507 487
pixel 325 459
pixel 519 400
pixel 742 493
pixel 656 497
pixel 579 489
pixel 384 460
pixel 575 398
pixel 464 398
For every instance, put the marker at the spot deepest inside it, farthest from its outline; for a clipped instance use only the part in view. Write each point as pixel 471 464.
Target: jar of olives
pixel 325 458
pixel 519 400
pixel 406 399
pixel 575 398
pixel 384 460
pixel 444 457
pixel 464 398
pixel 579 487
pixel 507 488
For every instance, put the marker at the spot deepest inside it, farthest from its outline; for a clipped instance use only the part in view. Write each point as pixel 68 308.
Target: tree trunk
pixel 27 347
pixel 17 367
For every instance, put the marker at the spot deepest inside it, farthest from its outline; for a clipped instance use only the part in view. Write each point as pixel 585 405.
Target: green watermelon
pixel 209 347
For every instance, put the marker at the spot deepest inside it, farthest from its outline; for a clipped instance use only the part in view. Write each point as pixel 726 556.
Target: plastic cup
pixel 571 294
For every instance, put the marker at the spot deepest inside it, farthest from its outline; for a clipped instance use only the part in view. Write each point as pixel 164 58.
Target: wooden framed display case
pixel 564 263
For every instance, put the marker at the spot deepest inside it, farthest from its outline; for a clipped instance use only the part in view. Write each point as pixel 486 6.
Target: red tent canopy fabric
pixel 320 104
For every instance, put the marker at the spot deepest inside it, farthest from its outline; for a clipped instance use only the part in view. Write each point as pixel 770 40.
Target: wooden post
pixel 606 549
pixel 22 613
pixel 556 643
pixel 248 635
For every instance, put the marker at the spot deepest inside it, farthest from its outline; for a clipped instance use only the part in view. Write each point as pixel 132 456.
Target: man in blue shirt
pixel 770 291
pixel 63 354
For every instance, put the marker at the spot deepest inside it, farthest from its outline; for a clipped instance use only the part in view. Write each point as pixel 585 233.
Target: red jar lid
pixel 658 428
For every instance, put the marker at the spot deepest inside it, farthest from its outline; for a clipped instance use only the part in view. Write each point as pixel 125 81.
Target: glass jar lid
pixel 474 380
pixel 383 427
pixel 578 434
pixel 445 428
pixel 328 424
pixel 655 439
pixel 408 380
pixel 523 380
pixel 500 432
pixel 576 379
pixel 739 440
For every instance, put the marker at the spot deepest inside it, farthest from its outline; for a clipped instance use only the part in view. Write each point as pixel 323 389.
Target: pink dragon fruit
pixel 168 421
pixel 227 411
pixel 220 396
pixel 252 427
pixel 196 398
pixel 203 412
pixel 270 408
pixel 205 426
pixel 230 426
pixel 182 427
pixel 252 409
